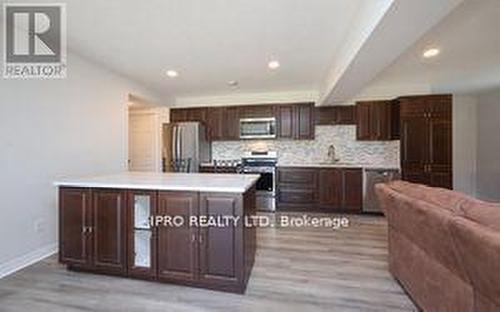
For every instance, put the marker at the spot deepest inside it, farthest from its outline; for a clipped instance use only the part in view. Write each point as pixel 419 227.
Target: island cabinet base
pixel 107 231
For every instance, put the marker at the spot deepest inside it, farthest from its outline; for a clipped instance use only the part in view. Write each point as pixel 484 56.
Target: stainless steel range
pixel 263 163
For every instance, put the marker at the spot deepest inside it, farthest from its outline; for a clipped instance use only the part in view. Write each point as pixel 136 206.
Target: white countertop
pixel 339 165
pixel 196 182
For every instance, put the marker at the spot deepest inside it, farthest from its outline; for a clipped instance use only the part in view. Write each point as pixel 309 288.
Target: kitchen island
pixel 142 225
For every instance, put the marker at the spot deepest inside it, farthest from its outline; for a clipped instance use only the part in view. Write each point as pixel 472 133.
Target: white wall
pixel 488 144
pixel 464 144
pixel 50 128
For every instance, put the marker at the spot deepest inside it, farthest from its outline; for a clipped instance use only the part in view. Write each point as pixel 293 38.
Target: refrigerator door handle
pixel 174 143
pixel 179 141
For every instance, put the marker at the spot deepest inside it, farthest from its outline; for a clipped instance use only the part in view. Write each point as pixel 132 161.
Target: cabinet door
pixel 197 114
pixel 305 121
pixel 381 121
pixel 177 246
pixel 221 248
pixel 440 153
pixel 74 214
pixel 346 115
pixel 141 235
pixel 335 115
pixel 178 115
pixel 363 115
pixel 303 177
pixel 414 149
pixel 257 111
pixel 109 230
pixel 330 189
pixel 352 189
pixel 286 121
pixel 231 123
pixel 214 122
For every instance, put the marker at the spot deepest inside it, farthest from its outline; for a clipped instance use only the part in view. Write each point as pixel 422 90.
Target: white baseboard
pixel 26 260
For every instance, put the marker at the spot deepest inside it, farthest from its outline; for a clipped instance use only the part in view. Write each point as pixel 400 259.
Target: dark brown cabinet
pixel 295 121
pixel 426 140
pixel 109 231
pixel 221 248
pixel 376 121
pixel 177 246
pixel 352 184
pixel 215 123
pixel 320 189
pixel 224 123
pixel 93 229
pixel 231 123
pixel 257 111
pixel 74 221
pixel 330 190
pixel 335 115
pixel 196 114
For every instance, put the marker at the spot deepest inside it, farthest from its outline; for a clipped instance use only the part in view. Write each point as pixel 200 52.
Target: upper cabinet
pixel 198 114
pixel 257 111
pixel 377 120
pixel 294 121
pixel 335 115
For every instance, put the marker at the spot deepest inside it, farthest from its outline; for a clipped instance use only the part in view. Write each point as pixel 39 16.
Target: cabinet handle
pixel 84 230
pixel 201 238
pixel 193 238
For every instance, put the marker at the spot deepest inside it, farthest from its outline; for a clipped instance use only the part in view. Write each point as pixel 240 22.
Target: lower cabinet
pixel 74 219
pixel 178 246
pixel 320 189
pixel 221 248
pixel 109 232
pixel 93 229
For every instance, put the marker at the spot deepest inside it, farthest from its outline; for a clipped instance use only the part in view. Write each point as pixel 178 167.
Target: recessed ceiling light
pixel 273 64
pixel 172 73
pixel 232 83
pixel 431 53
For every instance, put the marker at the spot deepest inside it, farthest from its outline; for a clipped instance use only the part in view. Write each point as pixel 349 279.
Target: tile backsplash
pixel 348 149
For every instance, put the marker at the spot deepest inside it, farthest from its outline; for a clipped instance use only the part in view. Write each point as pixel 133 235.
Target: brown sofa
pixel 444 247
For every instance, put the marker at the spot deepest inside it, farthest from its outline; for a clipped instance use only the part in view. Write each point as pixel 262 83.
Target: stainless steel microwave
pixel 258 128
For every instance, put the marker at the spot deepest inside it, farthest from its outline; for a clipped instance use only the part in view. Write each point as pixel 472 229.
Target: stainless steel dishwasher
pixel 370 179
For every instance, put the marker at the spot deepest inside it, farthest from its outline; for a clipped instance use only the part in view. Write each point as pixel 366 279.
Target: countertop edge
pixel 154 187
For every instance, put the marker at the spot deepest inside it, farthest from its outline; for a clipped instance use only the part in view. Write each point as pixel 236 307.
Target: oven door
pixel 265 190
pixel 265 182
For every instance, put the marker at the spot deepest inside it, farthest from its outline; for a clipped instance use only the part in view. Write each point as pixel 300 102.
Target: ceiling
pixel 469 62
pixel 212 42
pixel 331 48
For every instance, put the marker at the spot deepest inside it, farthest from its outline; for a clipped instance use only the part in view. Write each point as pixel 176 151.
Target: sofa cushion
pixel 423 223
pixel 478 247
pixel 443 198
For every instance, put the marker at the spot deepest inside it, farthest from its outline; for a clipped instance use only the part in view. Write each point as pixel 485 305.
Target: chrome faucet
pixel 332 154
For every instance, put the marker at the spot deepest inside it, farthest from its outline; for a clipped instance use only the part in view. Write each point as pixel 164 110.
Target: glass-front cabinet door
pixel 142 206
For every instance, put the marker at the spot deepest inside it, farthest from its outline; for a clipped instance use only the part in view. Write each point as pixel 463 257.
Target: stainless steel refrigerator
pixel 185 147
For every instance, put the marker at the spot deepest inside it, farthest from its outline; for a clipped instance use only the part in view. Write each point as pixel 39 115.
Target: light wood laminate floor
pixel 313 269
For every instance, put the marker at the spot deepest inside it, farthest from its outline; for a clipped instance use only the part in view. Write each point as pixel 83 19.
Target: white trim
pixel 26 260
